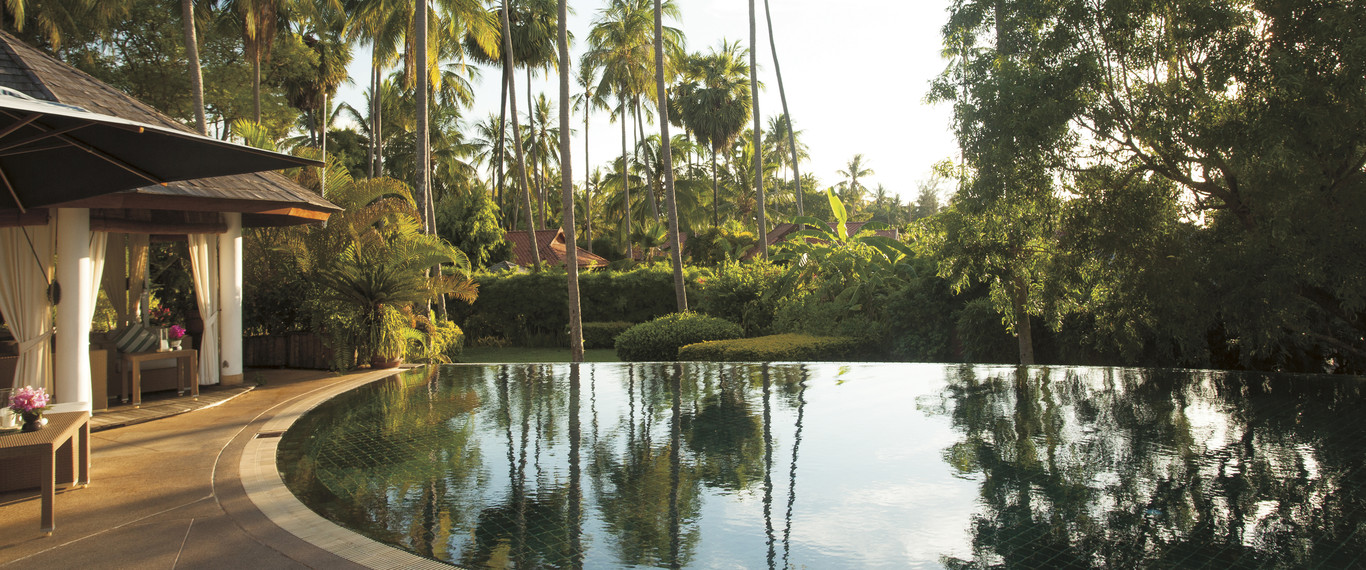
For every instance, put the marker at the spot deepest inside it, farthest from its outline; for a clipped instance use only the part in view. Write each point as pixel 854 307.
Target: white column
pixel 230 299
pixel 76 274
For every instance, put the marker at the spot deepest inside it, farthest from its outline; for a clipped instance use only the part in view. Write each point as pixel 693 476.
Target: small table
pixel 187 366
pixel 66 435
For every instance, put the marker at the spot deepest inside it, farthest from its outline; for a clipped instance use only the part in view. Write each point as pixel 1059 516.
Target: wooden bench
pixel 58 453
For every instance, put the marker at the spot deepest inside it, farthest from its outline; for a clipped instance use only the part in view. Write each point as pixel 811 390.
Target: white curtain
pixel 25 271
pixel 99 246
pixel 204 259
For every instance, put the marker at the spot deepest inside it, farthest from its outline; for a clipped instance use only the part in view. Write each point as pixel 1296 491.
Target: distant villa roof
pixel 781 231
pixel 264 198
pixel 553 248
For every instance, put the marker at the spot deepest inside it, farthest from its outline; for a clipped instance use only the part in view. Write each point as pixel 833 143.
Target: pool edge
pixel 260 478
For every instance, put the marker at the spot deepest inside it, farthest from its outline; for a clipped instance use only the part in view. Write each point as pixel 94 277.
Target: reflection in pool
pixel 830 466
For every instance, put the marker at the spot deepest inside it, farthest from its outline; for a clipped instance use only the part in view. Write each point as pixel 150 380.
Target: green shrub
pixel 603 335
pixel 660 339
pixel 737 293
pixel 781 347
pixel 529 308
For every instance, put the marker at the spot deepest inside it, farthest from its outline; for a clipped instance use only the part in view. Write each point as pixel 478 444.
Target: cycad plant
pixel 380 266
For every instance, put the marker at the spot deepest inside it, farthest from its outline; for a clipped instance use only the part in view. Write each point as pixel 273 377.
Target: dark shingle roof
pixel 41 76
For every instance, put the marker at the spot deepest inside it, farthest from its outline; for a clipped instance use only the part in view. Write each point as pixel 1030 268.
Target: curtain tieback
pixel 35 342
pixel 211 322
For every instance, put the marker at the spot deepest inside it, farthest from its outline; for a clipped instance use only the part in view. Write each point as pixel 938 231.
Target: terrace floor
pixel 169 493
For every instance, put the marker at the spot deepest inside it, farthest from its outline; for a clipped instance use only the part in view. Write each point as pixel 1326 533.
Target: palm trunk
pixel 649 172
pixel 715 194
pixel 587 183
pixel 256 85
pixel 782 95
pixel 625 185
pixel 758 133
pixel 502 132
pixel 567 190
pixel 666 155
pixel 196 73
pixel 510 64
pixel 374 106
pixel 422 176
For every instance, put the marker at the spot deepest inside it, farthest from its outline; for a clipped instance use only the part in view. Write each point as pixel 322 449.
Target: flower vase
pixel 175 344
pixel 33 421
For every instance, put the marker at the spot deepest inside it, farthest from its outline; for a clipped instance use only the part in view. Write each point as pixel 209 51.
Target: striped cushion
pixel 136 338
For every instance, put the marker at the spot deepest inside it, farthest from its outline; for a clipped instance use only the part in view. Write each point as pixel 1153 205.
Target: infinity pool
pixel 854 466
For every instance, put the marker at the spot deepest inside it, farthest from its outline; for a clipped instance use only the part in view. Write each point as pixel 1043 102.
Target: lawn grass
pixel 486 355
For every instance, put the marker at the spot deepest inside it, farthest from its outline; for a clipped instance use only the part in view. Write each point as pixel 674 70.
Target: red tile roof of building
pixel 553 248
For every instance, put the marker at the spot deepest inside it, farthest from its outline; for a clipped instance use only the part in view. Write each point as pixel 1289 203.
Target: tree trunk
pixel 567 187
pixel 509 65
pixel 256 86
pixel 715 194
pixel 666 156
pixel 196 73
pixel 625 184
pixel 649 171
pixel 423 174
pixel 587 182
pixel 374 104
pixel 500 150
pixel 758 133
pixel 782 95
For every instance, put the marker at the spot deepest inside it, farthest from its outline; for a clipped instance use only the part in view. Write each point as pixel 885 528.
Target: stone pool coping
pixel 261 479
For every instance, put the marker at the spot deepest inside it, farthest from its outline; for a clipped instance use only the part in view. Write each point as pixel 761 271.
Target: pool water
pixel 843 466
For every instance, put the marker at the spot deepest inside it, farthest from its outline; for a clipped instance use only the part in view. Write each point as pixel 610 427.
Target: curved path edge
pixel 260 478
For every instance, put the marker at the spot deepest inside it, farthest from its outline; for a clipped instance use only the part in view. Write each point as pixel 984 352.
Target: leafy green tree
pixel 714 103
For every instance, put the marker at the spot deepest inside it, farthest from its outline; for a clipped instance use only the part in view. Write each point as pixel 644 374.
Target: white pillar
pixel 76 274
pixel 230 299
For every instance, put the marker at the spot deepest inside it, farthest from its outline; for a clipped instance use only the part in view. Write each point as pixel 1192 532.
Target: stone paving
pixel 169 493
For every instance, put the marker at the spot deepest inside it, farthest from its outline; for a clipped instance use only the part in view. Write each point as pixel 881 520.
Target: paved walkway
pixel 168 493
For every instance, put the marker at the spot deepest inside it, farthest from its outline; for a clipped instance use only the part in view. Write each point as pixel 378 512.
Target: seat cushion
pixel 136 338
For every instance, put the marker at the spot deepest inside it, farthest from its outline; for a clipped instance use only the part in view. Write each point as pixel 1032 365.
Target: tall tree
pixel 509 64
pixel 196 73
pixel 715 104
pixel 758 132
pixel 782 96
pixel 589 99
pixel 854 170
pixel 567 190
pixel 666 152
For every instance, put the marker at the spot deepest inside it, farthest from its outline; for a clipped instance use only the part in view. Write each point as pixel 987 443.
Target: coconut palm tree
pixel 510 64
pixel 589 99
pixel 620 44
pixel 192 54
pixel 758 130
pixel 567 190
pixel 855 169
pixel 715 103
pixel 260 23
pixel 666 152
pixel 782 96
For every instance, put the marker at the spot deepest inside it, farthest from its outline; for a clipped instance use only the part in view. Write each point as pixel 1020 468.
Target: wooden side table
pixel 59 453
pixel 187 368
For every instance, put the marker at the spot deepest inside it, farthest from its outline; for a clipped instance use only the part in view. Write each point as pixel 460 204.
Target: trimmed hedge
pixel 660 339
pixel 603 335
pixel 779 347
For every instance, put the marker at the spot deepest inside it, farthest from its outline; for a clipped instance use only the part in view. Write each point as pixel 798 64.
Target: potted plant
pixel 175 334
pixel 29 402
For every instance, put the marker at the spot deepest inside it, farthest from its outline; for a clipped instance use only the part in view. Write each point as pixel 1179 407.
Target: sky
pixel 856 74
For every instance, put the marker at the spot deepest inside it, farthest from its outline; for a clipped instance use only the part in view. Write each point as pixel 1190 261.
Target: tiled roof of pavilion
pixel 553 248
pixel 264 198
